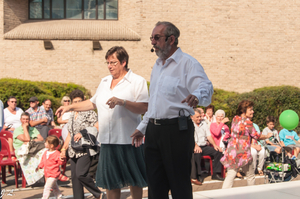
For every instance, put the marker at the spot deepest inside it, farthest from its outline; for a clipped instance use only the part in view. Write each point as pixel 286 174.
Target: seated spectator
pixel 38 117
pixel 257 150
pixel 25 132
pixel 219 130
pixel 273 143
pixel 12 114
pixel 22 135
pixel 290 139
pixel 65 117
pixel 202 148
pixel 49 112
pixel 209 115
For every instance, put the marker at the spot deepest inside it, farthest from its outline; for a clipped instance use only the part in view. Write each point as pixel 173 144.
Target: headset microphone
pixel 152 50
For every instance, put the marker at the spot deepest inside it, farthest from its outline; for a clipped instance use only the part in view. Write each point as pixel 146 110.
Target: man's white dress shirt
pixel 171 83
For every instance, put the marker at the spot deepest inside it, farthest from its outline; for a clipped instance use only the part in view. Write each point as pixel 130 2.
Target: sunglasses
pixel 66 100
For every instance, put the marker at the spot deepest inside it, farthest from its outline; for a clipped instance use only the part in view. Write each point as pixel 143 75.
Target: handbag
pixel 88 140
pixel 35 146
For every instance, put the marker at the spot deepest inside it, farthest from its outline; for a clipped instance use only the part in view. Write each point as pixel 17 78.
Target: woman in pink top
pixel 219 129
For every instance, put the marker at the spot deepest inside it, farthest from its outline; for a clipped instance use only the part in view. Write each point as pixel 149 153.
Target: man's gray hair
pixel 197 110
pixel 220 111
pixel 171 29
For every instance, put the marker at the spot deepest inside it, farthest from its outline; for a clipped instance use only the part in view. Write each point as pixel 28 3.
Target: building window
pixel 73 9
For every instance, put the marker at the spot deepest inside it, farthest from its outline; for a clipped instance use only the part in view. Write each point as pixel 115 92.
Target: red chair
pixel 6 135
pixel 8 161
pixel 211 165
pixel 56 132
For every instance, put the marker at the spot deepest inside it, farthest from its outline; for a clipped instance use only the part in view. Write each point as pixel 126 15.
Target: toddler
pixel 50 162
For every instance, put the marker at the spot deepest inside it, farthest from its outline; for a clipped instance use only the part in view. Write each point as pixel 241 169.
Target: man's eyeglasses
pixel 156 37
pixel 66 100
pixel 111 63
pixel 13 101
pixel 77 101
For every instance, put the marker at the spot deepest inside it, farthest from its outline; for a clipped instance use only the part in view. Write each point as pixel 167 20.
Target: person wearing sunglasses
pixel 12 115
pixel 177 84
pixel 65 101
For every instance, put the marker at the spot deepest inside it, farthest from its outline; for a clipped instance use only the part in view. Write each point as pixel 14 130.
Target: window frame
pixel 65 12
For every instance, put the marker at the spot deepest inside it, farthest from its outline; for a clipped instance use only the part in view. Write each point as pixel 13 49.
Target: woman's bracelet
pixel 62 149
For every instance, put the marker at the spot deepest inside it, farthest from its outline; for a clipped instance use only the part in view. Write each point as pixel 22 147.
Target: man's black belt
pixel 165 121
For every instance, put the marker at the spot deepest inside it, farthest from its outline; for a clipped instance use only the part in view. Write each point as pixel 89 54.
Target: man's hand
pixel 137 138
pixel 225 120
pixel 61 110
pixel 112 102
pixel 36 170
pixel 192 100
pixel 197 149
pixel 77 137
pixel 25 125
pixel 217 148
pixel 45 119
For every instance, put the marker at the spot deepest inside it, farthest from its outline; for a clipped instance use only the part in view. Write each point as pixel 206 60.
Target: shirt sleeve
pixel 281 135
pixel 44 114
pixel 143 125
pixel 199 85
pixel 41 165
pixel 94 98
pixel 141 91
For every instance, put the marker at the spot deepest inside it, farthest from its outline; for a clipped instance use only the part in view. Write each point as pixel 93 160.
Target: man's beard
pixel 163 53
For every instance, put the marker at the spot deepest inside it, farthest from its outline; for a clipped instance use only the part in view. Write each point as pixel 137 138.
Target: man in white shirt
pixel 178 83
pixel 202 148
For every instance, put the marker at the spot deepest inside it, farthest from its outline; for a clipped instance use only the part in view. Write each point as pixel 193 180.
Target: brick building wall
pixel 242 45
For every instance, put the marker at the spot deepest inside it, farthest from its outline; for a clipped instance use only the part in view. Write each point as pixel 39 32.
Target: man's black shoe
pixel 217 177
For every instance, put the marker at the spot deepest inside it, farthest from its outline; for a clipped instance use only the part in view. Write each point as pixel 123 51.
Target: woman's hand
pixel 137 138
pixel 77 137
pixel 225 120
pixel 112 102
pixel 61 110
pixel 63 155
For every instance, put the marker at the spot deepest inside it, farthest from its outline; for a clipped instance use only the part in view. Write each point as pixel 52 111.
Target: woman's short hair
pixel 220 111
pixel 210 107
pixel 65 98
pixel 121 54
pixel 270 119
pixel 25 114
pixel 76 93
pixel 243 106
pixel 52 139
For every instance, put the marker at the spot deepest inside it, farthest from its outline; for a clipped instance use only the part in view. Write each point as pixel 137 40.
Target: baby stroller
pixel 279 167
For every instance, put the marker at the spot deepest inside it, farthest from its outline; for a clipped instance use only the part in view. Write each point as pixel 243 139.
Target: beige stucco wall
pixel 241 44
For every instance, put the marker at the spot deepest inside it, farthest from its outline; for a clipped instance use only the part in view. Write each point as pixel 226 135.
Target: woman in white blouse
pixel 120 100
pixel 12 114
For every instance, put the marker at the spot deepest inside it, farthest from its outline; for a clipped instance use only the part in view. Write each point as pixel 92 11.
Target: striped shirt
pixel 38 115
